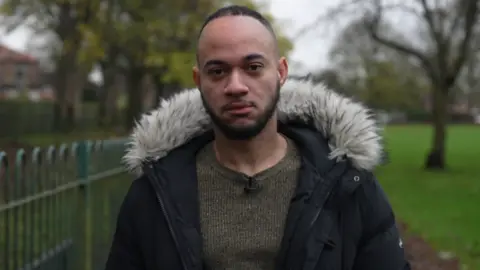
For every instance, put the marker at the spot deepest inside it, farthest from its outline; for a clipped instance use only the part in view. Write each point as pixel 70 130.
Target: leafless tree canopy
pixel 445 37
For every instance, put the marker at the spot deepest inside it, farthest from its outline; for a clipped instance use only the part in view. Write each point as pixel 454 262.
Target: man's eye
pixel 255 67
pixel 215 71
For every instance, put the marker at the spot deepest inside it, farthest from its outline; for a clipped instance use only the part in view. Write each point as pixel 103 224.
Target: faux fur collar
pixel 349 125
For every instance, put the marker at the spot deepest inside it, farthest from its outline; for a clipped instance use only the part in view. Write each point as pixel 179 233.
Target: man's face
pixel 239 75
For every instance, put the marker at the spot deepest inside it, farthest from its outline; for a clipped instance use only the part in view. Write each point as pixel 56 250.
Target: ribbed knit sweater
pixel 240 230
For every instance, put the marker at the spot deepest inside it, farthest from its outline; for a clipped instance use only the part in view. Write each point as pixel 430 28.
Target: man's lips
pixel 238 108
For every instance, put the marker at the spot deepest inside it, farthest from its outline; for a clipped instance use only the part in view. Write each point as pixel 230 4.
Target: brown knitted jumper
pixel 244 231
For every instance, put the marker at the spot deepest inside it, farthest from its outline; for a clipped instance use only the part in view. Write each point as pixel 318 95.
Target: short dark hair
pixel 238 10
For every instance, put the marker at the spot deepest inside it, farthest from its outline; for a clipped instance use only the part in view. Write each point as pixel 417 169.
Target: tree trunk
pixel 135 97
pixel 102 106
pixel 109 80
pixel 159 86
pixel 115 90
pixel 60 96
pixel 75 84
pixel 66 30
pixel 68 85
pixel 57 113
pixel 440 112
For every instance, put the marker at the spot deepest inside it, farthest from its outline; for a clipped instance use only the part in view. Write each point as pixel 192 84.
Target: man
pixel 253 171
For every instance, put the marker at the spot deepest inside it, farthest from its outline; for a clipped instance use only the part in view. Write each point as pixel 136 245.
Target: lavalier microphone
pixel 252 185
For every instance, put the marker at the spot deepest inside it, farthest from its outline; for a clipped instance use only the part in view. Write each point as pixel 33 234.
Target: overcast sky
pixel 310 50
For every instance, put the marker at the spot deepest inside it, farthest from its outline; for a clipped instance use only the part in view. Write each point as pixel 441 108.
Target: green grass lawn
pixel 442 207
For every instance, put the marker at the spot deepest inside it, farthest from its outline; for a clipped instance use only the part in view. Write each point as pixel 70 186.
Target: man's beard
pixel 245 132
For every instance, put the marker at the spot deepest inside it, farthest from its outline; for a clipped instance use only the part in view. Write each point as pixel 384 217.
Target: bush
pixel 462 118
pixel 23 117
pixel 418 116
pixel 426 117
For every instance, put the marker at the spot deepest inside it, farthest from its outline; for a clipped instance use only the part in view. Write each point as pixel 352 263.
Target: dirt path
pixel 422 256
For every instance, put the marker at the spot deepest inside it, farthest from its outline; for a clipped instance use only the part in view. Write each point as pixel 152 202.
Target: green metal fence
pixel 58 205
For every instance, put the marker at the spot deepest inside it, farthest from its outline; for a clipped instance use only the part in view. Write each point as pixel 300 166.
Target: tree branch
pixel 344 9
pixel 372 25
pixel 404 8
pixel 456 21
pixel 432 25
pixel 471 16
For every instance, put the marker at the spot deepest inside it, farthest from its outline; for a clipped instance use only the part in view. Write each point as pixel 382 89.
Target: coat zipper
pixel 317 214
pixel 312 223
pixel 165 214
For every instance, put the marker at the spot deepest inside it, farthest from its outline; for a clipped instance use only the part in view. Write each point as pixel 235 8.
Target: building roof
pixel 8 54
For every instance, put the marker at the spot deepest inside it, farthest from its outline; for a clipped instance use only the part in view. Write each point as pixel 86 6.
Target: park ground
pixel 437 211
pixel 440 208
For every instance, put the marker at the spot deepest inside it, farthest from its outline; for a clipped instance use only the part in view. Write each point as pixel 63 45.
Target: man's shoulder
pixel 361 184
pixel 368 187
pixel 139 192
pixel 355 181
pixel 361 192
pixel 311 143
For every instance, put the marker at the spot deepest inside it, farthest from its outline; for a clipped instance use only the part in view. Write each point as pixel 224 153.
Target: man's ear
pixel 282 70
pixel 196 76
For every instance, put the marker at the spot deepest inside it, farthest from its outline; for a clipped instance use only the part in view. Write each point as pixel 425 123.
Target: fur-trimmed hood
pixel 350 127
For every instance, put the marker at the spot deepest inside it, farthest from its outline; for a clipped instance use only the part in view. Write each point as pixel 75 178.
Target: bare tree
pixel 468 83
pixel 449 26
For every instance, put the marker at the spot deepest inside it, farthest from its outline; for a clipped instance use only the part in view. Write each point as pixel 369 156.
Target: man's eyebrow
pixel 253 56
pixel 249 57
pixel 214 62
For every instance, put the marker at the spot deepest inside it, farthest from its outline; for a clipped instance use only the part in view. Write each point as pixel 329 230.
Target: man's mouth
pixel 238 108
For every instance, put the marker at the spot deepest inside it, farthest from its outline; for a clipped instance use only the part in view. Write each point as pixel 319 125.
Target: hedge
pixel 19 118
pixel 426 117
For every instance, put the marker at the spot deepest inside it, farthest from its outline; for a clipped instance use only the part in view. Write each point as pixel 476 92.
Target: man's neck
pixel 252 156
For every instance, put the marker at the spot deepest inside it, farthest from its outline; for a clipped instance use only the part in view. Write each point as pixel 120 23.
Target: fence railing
pixel 58 205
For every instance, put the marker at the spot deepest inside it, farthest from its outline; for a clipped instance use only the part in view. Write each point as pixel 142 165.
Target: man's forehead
pixel 233 25
pixel 235 34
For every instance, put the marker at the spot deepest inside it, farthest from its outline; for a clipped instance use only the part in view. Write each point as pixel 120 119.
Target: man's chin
pixel 241 123
pixel 238 128
pixel 239 131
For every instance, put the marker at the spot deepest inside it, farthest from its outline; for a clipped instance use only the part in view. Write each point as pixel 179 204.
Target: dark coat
pixel 339 217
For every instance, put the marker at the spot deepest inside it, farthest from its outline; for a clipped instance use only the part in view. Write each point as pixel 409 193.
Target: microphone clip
pixel 252 186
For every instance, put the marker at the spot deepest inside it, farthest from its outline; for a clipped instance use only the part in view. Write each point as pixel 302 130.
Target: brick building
pixel 20 74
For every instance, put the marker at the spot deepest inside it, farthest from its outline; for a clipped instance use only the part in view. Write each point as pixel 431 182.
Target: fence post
pixel 83 161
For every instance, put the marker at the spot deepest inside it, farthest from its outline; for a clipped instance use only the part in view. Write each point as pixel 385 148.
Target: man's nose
pixel 236 85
